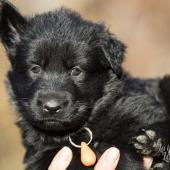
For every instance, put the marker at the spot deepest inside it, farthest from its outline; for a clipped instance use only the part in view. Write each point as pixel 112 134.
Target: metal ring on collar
pixel 90 135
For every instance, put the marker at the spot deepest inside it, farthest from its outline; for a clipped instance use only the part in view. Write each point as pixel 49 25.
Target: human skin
pixel 108 160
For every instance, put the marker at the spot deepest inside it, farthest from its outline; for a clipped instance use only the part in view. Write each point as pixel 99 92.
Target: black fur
pixel 77 63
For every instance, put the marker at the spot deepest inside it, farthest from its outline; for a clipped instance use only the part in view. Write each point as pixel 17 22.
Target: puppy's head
pixel 60 65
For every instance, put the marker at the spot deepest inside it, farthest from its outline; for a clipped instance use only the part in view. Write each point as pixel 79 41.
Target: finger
pixel 147 162
pixel 62 160
pixel 108 160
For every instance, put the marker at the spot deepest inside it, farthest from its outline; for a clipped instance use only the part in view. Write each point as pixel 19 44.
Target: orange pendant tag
pixel 88 157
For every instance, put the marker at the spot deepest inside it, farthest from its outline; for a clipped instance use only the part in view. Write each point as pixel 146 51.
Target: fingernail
pixel 65 154
pixel 112 155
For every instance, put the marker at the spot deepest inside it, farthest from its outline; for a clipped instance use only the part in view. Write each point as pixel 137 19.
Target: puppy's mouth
pixel 61 126
pixel 69 121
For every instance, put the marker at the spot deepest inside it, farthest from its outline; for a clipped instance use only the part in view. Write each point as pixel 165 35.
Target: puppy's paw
pixel 147 142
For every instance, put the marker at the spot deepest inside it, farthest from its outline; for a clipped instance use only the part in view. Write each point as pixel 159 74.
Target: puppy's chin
pixel 61 126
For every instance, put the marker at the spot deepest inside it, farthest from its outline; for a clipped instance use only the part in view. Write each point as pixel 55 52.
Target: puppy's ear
pixel 12 24
pixel 113 51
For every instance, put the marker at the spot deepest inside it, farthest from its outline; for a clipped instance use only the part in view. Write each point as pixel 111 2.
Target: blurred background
pixel 144 25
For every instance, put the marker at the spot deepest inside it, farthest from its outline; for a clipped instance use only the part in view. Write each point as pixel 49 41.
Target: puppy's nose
pixel 52 106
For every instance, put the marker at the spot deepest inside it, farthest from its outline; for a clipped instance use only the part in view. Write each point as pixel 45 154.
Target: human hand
pixel 108 160
pixel 62 159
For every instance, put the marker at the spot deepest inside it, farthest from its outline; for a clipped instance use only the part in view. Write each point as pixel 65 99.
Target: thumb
pixel 147 162
pixel 108 160
pixel 62 160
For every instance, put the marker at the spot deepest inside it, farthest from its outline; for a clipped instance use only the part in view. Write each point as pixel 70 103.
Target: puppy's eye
pixel 76 71
pixel 36 69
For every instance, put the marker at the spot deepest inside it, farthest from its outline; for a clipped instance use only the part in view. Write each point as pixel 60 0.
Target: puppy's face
pixel 64 80
pixel 60 65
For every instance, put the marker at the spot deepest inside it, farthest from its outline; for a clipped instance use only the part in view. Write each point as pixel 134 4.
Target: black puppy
pixel 66 75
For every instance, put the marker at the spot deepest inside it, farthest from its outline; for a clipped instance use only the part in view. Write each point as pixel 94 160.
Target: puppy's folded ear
pixel 12 24
pixel 113 51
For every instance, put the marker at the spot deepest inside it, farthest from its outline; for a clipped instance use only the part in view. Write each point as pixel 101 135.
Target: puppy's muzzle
pixel 52 103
